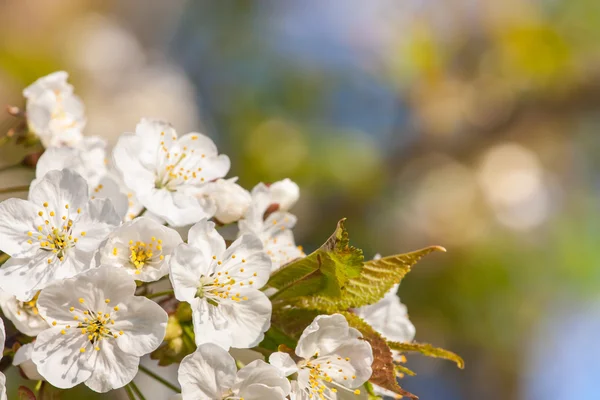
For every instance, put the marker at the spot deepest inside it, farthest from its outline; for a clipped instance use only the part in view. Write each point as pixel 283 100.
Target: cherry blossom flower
pixel 99 330
pixel 332 358
pixel 53 235
pixel 166 173
pixel 23 314
pixel 230 199
pixel 210 373
pixel 88 159
pixel 54 113
pixel 222 286
pixel 275 231
pixel 284 193
pixel 143 247
pixel 23 360
pixel 2 377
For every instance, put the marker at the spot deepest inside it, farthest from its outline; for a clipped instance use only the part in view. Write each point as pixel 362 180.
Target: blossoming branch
pixel 149 248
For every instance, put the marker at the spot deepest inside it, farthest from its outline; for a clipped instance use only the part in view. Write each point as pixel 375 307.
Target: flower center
pixel 94 324
pixel 178 167
pixel 323 370
pixel 142 253
pixel 29 307
pixel 218 287
pixel 55 234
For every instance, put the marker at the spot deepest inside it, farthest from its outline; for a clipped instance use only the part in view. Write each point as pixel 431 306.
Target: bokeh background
pixel 470 124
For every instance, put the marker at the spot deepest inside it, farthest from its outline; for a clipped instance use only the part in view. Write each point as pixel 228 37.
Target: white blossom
pixel 333 358
pixel 210 373
pixel 166 173
pixel 143 247
pixel 284 193
pixel 54 113
pixel 222 286
pixel 99 331
pixel 230 199
pixel 53 235
pixel 23 314
pixel 275 231
pixel 23 360
pixel 89 160
pixel 2 377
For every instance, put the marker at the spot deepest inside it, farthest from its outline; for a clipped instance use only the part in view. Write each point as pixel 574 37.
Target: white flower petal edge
pixel 2 377
pixel 99 330
pixel 23 360
pixel 210 373
pixel 88 159
pixel 166 173
pixel 276 230
pixel 230 199
pixel 24 315
pixel 333 357
pixel 54 113
pixel 142 247
pixel 53 235
pixel 389 317
pixel 222 286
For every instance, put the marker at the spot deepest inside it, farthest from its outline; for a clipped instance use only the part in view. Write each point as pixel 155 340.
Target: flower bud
pixel 231 200
pixel 285 193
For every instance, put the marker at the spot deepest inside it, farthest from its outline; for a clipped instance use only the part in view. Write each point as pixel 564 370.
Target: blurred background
pixel 474 125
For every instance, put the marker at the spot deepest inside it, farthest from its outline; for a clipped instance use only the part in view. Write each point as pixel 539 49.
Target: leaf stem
pixel 137 391
pixel 14 189
pixel 160 294
pixel 159 379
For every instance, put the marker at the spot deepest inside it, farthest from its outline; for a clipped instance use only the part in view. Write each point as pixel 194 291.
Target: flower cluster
pixel 112 249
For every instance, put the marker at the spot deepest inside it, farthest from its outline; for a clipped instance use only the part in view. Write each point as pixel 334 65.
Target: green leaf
pixel 427 350
pixel 384 373
pixel 292 321
pixel 323 272
pixel 375 279
pixel 273 338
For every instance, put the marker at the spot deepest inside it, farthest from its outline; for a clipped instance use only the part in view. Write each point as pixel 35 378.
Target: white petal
pixel 23 277
pixel 187 265
pixel 112 368
pixel 143 323
pixel 283 362
pixel 389 317
pixel 25 320
pixel 23 360
pixel 205 237
pixel 245 258
pixel 178 208
pixel 94 286
pixel 60 188
pixel 259 380
pixel 207 373
pixel 117 253
pixel 109 189
pixel 285 193
pixel 247 320
pixel 126 156
pixel 325 334
pixel 58 358
pixel 97 221
pixel 210 325
pixel 16 220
